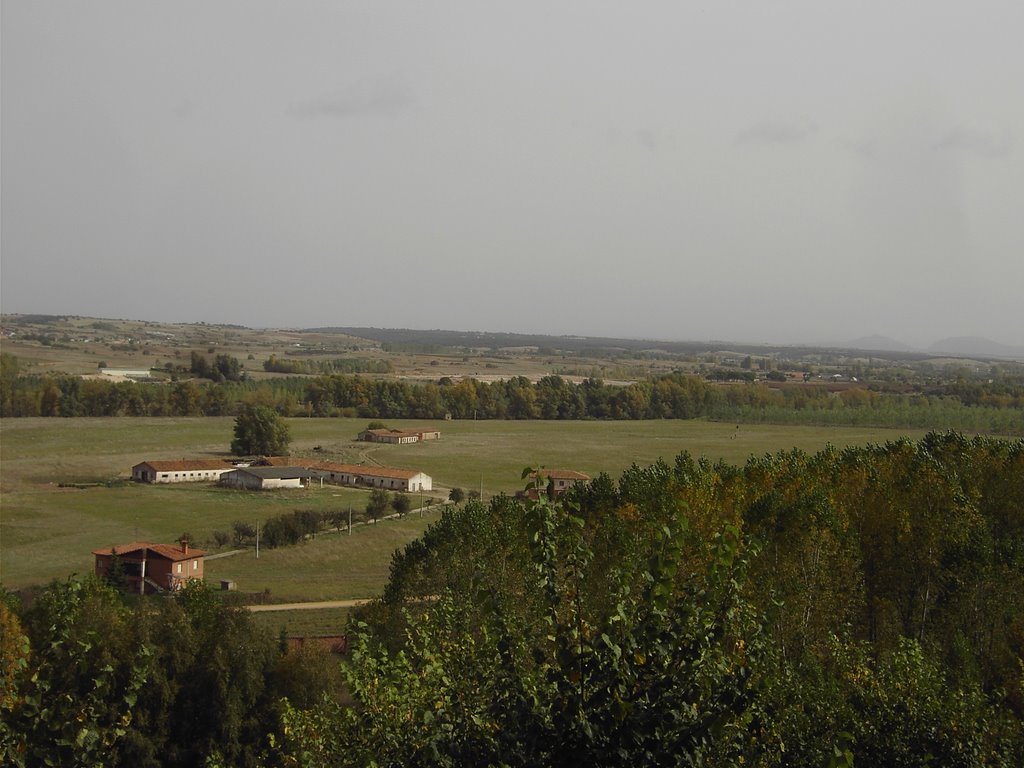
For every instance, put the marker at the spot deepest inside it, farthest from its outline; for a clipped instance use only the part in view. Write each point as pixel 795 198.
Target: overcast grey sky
pixel 756 171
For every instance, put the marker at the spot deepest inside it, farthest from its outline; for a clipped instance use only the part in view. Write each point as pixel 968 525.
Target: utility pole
pixel 350 518
pixel 257 539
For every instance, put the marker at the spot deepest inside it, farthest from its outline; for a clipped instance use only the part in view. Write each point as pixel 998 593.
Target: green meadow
pixel 48 531
pixel 309 621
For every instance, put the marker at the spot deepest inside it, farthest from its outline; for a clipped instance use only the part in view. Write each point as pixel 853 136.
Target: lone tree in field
pixel 244 532
pixel 401 504
pixel 377 504
pixel 259 431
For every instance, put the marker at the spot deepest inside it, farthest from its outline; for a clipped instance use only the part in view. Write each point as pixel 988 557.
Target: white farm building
pixel 374 477
pixel 266 478
pixel 184 471
pixel 399 436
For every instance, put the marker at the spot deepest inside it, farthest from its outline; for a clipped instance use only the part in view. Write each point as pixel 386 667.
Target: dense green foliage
pixel 292 527
pixel 864 605
pixel 378 503
pixel 995 406
pixel 401 504
pixel 223 367
pixel 167 683
pixel 259 431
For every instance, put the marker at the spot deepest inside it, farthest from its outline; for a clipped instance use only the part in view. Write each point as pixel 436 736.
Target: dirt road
pixel 307 606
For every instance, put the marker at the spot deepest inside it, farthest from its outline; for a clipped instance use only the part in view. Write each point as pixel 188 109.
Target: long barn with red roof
pixel 374 477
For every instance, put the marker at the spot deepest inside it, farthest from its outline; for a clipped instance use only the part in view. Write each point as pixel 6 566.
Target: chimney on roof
pixel 184 546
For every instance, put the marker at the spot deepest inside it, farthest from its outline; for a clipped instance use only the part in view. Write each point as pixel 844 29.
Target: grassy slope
pixel 47 531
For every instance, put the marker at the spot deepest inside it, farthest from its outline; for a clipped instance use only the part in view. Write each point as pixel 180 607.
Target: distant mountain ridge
pixel 483 339
pixel 964 346
pixel 876 345
pixel 956 346
pixel 880 343
pixel 975 345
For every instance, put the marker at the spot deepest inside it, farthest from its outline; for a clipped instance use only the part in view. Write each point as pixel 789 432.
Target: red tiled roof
pixel 358 469
pixel 185 465
pixel 168 551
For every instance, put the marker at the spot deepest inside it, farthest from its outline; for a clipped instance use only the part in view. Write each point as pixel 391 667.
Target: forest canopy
pixel 864 605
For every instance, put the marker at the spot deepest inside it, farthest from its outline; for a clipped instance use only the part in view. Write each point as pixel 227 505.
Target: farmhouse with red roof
pixel 149 568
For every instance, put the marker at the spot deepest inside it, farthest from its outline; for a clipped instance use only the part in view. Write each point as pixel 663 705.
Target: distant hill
pixel 438 339
pixel 958 346
pixel 976 346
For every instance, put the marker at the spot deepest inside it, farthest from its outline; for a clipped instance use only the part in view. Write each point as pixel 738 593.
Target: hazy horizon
pixel 787 174
pixel 957 346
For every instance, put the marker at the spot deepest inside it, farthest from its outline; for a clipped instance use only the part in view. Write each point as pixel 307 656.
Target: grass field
pixel 316 621
pixel 47 531
pixel 332 566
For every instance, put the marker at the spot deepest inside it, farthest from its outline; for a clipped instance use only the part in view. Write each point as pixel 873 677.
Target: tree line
pixel 297 526
pixel 996 407
pixel 275 364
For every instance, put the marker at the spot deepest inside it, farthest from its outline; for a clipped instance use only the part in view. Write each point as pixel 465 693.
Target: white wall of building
pixel 144 474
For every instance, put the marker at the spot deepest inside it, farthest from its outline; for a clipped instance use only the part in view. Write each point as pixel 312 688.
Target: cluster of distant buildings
pixel 399 436
pixel 280 472
pixel 145 567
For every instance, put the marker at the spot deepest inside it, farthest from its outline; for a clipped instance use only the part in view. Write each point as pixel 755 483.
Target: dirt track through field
pixel 365 457
pixel 307 606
